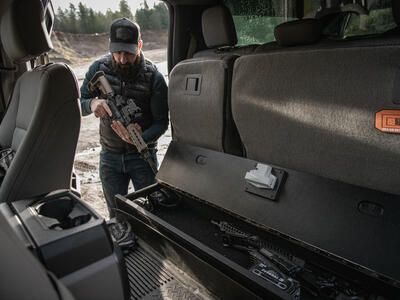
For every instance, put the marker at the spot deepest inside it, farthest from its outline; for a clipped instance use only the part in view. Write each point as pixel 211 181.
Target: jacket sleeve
pixel 86 95
pixel 159 109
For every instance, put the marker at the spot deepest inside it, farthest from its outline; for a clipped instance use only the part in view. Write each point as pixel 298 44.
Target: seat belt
pixel 192 46
pixel 3 101
pixel 42 60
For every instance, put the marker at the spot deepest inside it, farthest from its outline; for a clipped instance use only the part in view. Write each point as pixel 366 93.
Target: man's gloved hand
pixel 122 132
pixel 100 108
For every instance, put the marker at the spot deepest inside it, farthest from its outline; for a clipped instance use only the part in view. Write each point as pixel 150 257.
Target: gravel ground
pixel 87 155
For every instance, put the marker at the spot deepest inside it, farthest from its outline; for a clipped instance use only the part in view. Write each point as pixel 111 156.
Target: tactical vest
pixel 139 89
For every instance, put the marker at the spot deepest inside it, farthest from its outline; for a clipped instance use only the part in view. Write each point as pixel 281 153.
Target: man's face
pixel 125 59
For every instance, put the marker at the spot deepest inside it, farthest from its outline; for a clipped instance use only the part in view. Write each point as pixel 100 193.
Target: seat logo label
pixel 388 120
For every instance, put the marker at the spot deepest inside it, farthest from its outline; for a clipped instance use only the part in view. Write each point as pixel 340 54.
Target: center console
pixel 72 241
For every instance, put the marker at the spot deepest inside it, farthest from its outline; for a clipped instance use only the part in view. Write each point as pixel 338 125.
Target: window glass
pixel 311 6
pixel 378 20
pixel 361 17
pixel 255 20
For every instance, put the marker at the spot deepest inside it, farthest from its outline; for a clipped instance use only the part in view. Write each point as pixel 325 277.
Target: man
pixel 133 77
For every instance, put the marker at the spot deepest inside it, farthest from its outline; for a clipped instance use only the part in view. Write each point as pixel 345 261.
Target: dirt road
pixel 87 155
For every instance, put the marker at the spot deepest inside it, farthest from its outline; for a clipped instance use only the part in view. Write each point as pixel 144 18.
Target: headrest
pixel 26 29
pixel 298 32
pixel 396 11
pixel 218 27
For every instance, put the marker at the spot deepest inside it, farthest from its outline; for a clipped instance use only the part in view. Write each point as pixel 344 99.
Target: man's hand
pixel 100 108
pixel 123 133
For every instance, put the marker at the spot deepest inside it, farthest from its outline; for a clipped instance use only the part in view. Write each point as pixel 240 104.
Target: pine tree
pixel 72 23
pixel 83 18
pixel 154 18
pixel 162 13
pixel 125 10
pixel 60 20
pixel 86 20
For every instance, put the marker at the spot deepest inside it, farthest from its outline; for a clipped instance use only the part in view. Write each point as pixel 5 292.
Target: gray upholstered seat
pixel 42 122
pixel 199 102
pixel 219 34
pixel 314 109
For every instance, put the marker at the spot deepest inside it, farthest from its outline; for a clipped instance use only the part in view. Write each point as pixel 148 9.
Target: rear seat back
pixel 219 34
pixel 199 102
pixel 313 110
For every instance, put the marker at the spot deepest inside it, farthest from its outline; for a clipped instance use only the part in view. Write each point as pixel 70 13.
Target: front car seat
pixel 42 121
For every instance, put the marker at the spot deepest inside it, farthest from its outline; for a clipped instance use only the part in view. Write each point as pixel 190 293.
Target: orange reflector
pixel 388 120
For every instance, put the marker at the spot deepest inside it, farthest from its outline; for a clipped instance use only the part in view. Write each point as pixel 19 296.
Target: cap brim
pixel 123 47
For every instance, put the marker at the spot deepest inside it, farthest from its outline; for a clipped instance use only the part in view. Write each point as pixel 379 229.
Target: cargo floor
pixel 151 277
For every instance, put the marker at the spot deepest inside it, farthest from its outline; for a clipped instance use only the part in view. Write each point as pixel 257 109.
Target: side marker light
pixel 388 120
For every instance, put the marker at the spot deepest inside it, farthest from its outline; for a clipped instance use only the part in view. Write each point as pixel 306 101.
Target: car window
pixel 310 7
pixel 360 18
pixel 379 20
pixel 255 20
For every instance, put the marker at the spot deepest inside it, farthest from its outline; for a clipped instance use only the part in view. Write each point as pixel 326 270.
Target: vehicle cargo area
pixel 257 258
pixel 281 173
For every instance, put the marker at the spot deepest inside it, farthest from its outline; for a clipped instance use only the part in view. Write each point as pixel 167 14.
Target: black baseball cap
pixel 124 36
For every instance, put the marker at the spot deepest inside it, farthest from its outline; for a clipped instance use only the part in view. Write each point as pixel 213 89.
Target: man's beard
pixel 128 70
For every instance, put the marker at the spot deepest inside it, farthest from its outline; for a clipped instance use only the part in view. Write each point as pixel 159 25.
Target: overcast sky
pixel 101 5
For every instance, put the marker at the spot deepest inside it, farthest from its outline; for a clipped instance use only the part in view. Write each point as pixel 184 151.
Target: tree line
pixel 82 19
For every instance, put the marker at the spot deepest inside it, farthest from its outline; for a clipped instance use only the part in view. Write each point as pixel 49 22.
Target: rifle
pixel 280 270
pixel 266 265
pixel 127 114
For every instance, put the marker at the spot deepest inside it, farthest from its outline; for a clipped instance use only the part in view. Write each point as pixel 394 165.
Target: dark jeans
pixel 116 170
